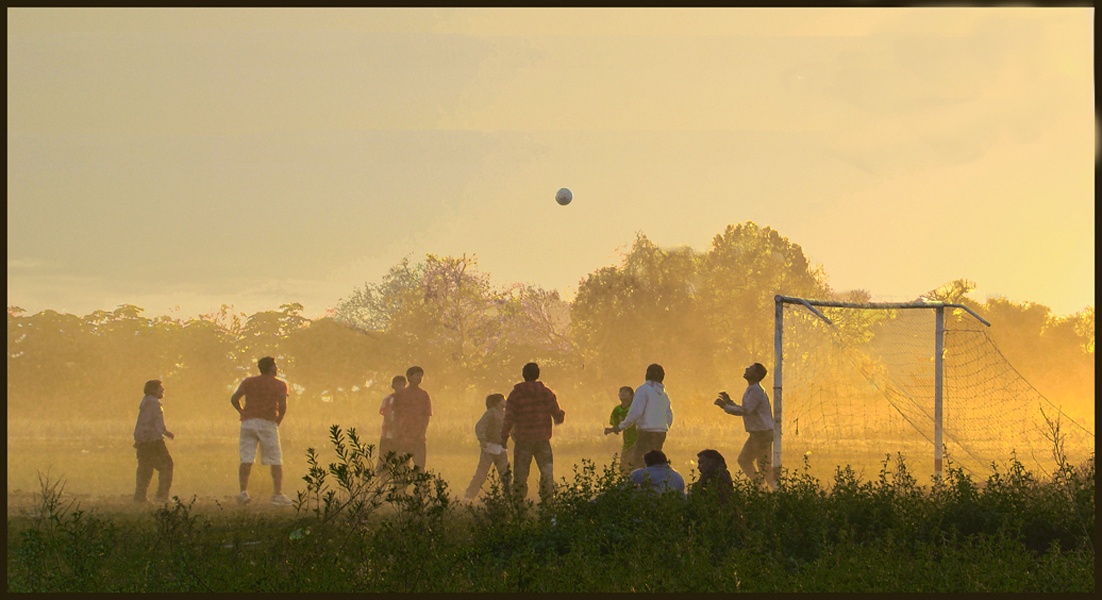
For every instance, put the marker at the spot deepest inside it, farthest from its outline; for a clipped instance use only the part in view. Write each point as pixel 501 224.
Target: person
pixel 263 411
pixel 757 418
pixel 149 441
pixel 658 475
pixel 412 410
pixel 386 409
pixel 651 412
pixel 530 410
pixel 488 432
pixel 714 476
pixel 619 413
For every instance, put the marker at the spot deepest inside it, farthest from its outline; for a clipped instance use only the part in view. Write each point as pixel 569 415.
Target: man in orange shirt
pixel 264 409
pixel 412 408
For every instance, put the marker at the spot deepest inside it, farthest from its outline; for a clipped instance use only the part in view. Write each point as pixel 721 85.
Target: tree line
pixel 703 314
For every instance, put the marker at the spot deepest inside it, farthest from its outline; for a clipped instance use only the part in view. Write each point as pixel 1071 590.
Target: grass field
pixel 1012 532
pixel 885 526
pixel 97 461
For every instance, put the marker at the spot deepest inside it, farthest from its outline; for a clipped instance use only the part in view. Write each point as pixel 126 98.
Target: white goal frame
pixel 938 350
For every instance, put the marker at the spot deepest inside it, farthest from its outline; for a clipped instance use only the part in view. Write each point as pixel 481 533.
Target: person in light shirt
pixel 149 441
pixel 757 417
pixel 658 475
pixel 488 432
pixel 650 412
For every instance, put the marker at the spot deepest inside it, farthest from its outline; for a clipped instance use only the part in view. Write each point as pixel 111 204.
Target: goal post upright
pixel 939 357
pixel 939 376
pixel 778 361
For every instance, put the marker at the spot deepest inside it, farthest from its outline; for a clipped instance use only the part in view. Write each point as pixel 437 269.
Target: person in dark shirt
pixel 715 478
pixel 412 410
pixel 530 410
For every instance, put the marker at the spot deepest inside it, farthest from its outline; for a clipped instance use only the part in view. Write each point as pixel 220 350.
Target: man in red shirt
pixel 530 410
pixel 412 408
pixel 264 409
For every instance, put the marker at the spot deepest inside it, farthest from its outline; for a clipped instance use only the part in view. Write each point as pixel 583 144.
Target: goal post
pixel 937 350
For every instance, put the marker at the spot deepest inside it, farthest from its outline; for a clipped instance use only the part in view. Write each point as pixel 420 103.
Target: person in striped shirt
pixel 530 411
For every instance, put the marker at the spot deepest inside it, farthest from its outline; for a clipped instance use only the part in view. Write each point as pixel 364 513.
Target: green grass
pixel 350 532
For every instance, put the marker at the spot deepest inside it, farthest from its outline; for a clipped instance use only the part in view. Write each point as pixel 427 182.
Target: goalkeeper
pixel 757 417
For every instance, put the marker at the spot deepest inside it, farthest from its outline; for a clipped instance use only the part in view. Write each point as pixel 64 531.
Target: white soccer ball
pixel 564 196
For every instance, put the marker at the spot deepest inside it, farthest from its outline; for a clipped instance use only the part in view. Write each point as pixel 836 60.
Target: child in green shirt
pixel 619 413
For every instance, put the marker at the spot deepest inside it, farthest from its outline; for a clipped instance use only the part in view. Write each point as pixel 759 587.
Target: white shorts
pixel 266 434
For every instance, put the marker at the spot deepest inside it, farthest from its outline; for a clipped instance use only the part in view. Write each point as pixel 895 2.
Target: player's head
pixel 398 382
pixel 152 387
pixel 415 374
pixel 655 372
pixel 494 400
pixel 530 372
pixel 626 394
pixel 267 366
pixel 755 373
pixel 655 457
pixel 709 461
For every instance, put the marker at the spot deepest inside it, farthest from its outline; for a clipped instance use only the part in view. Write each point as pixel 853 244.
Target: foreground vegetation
pixel 350 531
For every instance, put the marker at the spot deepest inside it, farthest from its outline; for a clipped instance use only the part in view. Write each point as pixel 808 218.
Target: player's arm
pixel 557 413
pixel 481 430
pixel 235 399
pixel 161 425
pixel 728 405
pixel 282 404
pixel 635 412
pixel 613 421
pixel 510 417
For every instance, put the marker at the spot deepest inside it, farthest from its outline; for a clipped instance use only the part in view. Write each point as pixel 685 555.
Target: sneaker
pixel 243 498
pixel 281 500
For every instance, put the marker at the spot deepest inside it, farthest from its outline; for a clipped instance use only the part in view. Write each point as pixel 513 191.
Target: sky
pixel 182 159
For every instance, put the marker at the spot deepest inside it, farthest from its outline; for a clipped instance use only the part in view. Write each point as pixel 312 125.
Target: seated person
pixel 714 475
pixel 658 475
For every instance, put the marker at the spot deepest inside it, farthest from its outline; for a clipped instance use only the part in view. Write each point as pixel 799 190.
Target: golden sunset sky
pixel 181 159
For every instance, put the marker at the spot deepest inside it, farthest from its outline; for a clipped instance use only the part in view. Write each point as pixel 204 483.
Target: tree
pixel 746 267
pixel 641 312
pixel 442 315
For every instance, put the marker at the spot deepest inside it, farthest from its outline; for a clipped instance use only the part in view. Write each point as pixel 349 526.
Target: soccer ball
pixel 564 196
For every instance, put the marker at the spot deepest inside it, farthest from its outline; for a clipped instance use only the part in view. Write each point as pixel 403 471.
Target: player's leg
pixel 144 473
pixel 746 459
pixel 545 461
pixel 522 464
pixel 247 450
pixel 164 465
pixel 485 459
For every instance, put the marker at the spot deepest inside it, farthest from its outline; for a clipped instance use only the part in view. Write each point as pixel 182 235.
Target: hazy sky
pixel 197 157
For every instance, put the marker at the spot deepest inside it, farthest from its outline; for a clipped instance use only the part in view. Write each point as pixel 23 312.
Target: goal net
pixel 864 386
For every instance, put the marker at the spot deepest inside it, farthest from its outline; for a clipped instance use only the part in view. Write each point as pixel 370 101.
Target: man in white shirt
pixel 757 417
pixel 650 412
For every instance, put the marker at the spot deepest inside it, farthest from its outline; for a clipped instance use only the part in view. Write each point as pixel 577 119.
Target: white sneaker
pixel 243 498
pixel 281 500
